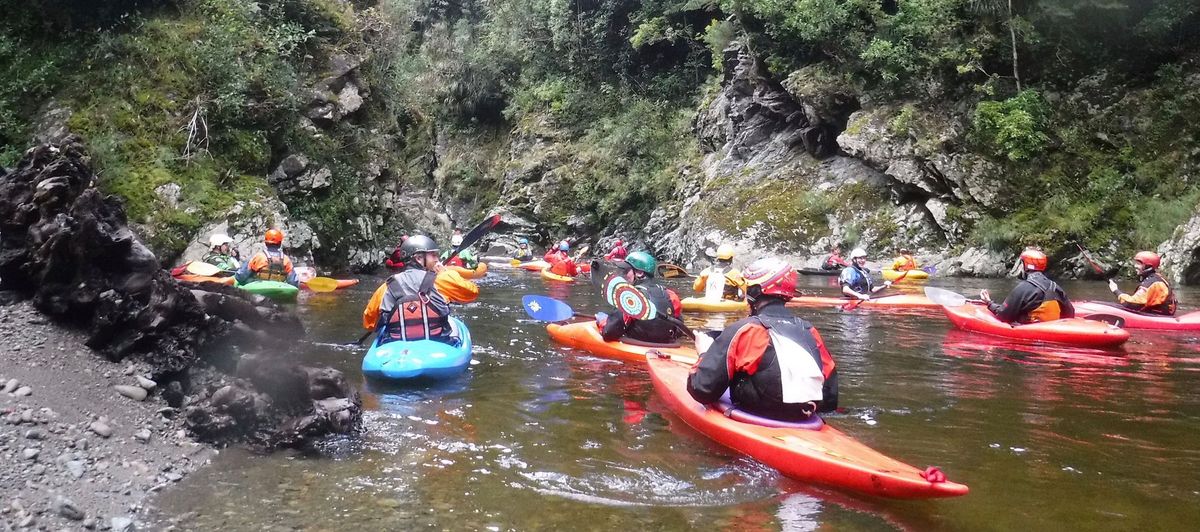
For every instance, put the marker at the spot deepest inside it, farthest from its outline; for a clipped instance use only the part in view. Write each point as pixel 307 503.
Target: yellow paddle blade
pixel 202 268
pixel 514 262
pixel 321 284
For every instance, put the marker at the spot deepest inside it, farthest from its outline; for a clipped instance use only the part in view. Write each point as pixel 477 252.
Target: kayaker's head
pixel 420 252
pixel 1146 263
pixel 1033 260
pixel 220 243
pixel 617 243
pixel 725 253
pixel 273 238
pixel 564 246
pixel 836 249
pixel 859 257
pixel 456 240
pixel 768 280
pixel 523 243
pixel 905 252
pixel 638 266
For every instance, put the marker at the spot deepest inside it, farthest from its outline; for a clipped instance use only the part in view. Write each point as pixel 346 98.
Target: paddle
pixel 204 269
pixel 474 235
pixel 548 309
pixel 947 298
pixel 855 303
pixel 321 284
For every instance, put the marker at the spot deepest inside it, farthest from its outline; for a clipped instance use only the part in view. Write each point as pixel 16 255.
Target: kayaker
pixel 856 280
pixel 774 364
pixel 393 261
pixel 221 254
pixel 618 251
pixel 1154 294
pixel 465 259
pixel 721 280
pixel 1036 298
pixel 905 261
pixel 834 261
pixel 270 264
pixel 667 326
pixel 523 254
pixel 560 262
pixel 417 282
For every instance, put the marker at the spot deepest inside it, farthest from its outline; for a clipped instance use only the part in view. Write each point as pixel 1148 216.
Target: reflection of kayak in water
pixel 818 271
pixel 809 451
pixel 964 344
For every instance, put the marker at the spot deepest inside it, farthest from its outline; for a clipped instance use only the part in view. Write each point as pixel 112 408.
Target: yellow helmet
pixel 725 252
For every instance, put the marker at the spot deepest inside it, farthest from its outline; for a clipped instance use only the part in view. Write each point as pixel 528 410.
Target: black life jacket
pixel 413 317
pixel 1167 307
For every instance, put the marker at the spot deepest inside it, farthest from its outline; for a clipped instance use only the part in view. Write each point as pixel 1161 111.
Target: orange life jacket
pixel 413 317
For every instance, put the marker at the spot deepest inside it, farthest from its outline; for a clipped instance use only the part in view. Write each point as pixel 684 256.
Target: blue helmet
pixel 523 241
pixel 564 246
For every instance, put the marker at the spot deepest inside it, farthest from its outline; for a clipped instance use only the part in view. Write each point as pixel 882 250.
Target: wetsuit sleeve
pixel 1066 309
pixel 1015 306
pixel 1153 296
pixel 370 314
pixel 291 272
pixel 245 272
pixel 709 378
pixel 454 288
pixel 614 327
pixel 700 282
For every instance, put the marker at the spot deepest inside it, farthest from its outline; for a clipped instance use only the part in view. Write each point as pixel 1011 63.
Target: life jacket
pixel 224 262
pixel 714 287
pixel 1167 307
pixel 858 280
pixel 524 253
pixel 413 317
pixel 1050 309
pixel 802 368
pixel 833 262
pixel 276 267
pixel 565 268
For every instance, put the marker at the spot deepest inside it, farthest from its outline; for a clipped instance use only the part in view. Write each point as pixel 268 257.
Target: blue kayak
pixel 419 359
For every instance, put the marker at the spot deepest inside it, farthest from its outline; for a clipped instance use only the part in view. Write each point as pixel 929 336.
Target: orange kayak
pixel 881 302
pixel 585 335
pixel 189 278
pixel 534 266
pixel 479 271
pixel 821 455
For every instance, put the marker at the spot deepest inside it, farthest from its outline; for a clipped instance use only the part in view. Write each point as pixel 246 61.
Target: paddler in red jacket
pixel 617 253
pixel 560 261
pixel 834 261
pixel 1036 298
pixel 774 364
pixel 1154 295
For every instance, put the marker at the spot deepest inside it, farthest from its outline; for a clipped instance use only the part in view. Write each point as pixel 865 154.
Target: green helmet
pixel 642 261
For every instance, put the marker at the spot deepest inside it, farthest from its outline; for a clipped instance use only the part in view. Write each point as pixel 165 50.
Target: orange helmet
pixel 1034 260
pixel 1149 258
pixel 274 237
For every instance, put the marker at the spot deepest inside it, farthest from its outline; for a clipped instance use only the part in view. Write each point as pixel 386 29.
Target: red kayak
pixel 881 302
pixel 585 335
pixel 1137 320
pixel 818 455
pixel 1070 331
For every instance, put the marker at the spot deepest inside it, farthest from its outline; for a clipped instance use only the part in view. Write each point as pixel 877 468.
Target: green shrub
pixel 1014 128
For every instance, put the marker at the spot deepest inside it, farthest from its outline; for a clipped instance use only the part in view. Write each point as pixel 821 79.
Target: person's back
pixel 904 262
pixel 667 326
pixel 270 264
pixel 772 363
pixel 721 280
pixel 1036 298
pixel 408 306
pixel 617 252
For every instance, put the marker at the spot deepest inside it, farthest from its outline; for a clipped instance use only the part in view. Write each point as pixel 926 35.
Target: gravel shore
pixel 81 446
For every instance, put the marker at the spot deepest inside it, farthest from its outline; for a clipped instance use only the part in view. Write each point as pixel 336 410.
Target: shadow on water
pixel 537 436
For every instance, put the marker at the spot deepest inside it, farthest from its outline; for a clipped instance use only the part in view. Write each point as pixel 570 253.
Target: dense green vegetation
pixel 1087 106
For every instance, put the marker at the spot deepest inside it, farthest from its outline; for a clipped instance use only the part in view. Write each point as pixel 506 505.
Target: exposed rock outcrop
pixel 1181 254
pixel 67 247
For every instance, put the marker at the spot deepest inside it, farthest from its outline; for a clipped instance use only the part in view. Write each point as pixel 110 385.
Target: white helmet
pixel 858 252
pixel 219 240
pixel 456 240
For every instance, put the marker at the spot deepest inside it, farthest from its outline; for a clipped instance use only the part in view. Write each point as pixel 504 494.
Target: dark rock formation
pixel 68 247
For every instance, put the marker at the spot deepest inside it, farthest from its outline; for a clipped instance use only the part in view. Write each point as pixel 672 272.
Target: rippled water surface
pixel 537 436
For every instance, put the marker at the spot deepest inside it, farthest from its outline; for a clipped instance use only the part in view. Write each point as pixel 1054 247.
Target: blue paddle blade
pixel 544 308
pixel 929 269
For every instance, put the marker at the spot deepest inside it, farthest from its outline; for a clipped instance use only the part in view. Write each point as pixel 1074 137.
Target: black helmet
pixel 416 244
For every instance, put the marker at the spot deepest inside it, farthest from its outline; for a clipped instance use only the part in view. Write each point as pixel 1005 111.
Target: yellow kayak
pixel 479 271
pixel 699 304
pixel 913 275
pixel 547 274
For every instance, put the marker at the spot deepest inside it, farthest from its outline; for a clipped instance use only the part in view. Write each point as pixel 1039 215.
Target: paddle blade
pixel 929 269
pixel 1115 321
pixel 853 304
pixel 514 262
pixel 475 234
pixel 321 284
pixel 202 268
pixel 945 297
pixel 544 308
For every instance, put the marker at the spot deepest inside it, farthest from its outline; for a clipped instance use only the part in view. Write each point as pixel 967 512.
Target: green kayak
pixel 273 289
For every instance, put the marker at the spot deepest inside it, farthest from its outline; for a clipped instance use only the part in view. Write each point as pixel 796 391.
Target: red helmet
pixel 274 237
pixel 1032 259
pixel 1149 258
pixel 775 276
pixel 617 242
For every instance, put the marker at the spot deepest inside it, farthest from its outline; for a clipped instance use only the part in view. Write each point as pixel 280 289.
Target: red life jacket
pixel 413 317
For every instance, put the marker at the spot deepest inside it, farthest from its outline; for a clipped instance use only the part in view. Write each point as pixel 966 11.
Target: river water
pixel 536 436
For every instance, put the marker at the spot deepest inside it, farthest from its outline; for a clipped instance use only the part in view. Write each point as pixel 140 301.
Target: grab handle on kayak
pixel 933 474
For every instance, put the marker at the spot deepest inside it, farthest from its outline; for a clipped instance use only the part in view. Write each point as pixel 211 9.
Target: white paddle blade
pixel 945 297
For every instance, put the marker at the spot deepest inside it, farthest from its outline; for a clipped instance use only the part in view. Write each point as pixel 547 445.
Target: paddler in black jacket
pixel 665 328
pixel 774 364
pixel 1036 298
